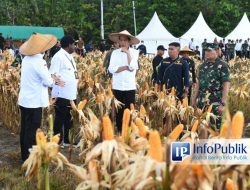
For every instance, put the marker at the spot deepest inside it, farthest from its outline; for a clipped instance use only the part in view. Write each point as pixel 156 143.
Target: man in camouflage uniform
pixel 213 80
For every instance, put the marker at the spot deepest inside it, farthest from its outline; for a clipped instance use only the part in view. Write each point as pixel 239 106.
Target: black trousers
pixel 238 53
pixel 127 98
pixel 63 120
pixel 244 54
pixel 31 119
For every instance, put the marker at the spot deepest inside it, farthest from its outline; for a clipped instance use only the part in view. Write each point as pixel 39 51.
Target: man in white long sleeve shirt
pixel 123 66
pixel 33 95
pixel 63 64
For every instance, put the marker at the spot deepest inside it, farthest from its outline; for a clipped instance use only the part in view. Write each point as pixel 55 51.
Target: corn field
pixel 138 158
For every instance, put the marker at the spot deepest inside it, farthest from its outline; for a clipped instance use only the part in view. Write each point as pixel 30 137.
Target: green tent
pixel 24 32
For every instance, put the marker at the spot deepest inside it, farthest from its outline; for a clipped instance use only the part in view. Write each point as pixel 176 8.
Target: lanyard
pixel 71 62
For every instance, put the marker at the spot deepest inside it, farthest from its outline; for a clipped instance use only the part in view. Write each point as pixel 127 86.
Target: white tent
pixel 242 30
pixel 199 31
pixel 155 34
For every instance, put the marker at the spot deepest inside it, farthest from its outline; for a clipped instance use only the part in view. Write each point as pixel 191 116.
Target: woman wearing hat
pixel 123 66
pixel 35 80
pixel 185 53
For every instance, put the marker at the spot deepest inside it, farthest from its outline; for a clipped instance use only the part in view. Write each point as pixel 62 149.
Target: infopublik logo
pixel 180 151
pixel 212 151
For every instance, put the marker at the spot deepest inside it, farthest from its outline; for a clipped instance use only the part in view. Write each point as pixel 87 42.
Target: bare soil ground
pixel 11 175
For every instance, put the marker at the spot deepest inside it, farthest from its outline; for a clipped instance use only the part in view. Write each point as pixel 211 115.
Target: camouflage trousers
pixel 214 123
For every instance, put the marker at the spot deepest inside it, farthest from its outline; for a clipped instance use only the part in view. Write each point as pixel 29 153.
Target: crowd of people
pixel 229 49
pixel 81 48
pixel 178 70
pixel 6 45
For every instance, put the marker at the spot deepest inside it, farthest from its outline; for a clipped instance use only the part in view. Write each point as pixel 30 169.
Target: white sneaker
pixel 66 144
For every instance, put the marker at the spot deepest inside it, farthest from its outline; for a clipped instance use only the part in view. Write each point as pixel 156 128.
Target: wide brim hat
pixel 115 37
pixel 38 43
pixel 187 50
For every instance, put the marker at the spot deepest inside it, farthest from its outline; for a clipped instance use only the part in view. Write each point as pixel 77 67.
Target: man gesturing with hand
pixel 123 66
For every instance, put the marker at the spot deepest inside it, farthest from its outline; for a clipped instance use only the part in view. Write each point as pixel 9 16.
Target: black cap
pixel 161 47
pixel 211 46
pixel 175 44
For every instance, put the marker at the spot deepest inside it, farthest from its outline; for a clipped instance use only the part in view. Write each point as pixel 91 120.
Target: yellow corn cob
pixel 185 102
pixel 132 107
pixel 82 104
pixel 87 76
pixel 195 126
pixel 142 111
pixel 110 93
pixel 172 93
pixel 237 125
pixel 164 88
pixel 98 99
pixel 155 149
pixel 142 130
pixel 224 130
pixel 179 104
pixel 230 185
pixel 147 86
pixel 198 170
pixel 56 138
pixel 104 97
pixel 162 95
pixel 108 131
pixel 210 109
pixel 125 123
pixel 40 137
pixel 176 132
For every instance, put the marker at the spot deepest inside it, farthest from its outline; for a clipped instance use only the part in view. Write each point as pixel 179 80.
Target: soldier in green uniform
pixel 213 80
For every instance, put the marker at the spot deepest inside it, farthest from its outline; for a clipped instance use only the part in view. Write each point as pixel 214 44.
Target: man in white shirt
pixel 33 95
pixel 192 44
pixel 63 65
pixel 238 47
pixel 123 66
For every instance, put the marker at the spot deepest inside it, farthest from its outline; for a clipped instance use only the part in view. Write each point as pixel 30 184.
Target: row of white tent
pixel 155 33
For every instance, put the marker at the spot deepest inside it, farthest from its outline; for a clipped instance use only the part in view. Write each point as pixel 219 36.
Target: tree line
pixel 82 17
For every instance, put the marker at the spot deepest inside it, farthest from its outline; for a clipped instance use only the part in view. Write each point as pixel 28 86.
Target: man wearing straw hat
pixel 123 66
pixel 63 64
pixel 35 80
pixel 185 53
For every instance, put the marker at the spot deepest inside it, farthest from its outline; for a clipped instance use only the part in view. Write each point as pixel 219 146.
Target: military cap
pixel 161 47
pixel 211 46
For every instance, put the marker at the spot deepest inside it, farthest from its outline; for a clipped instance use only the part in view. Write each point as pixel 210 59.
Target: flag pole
pixel 134 17
pixel 102 26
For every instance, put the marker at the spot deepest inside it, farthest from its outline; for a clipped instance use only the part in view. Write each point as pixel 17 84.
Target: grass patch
pixel 13 179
